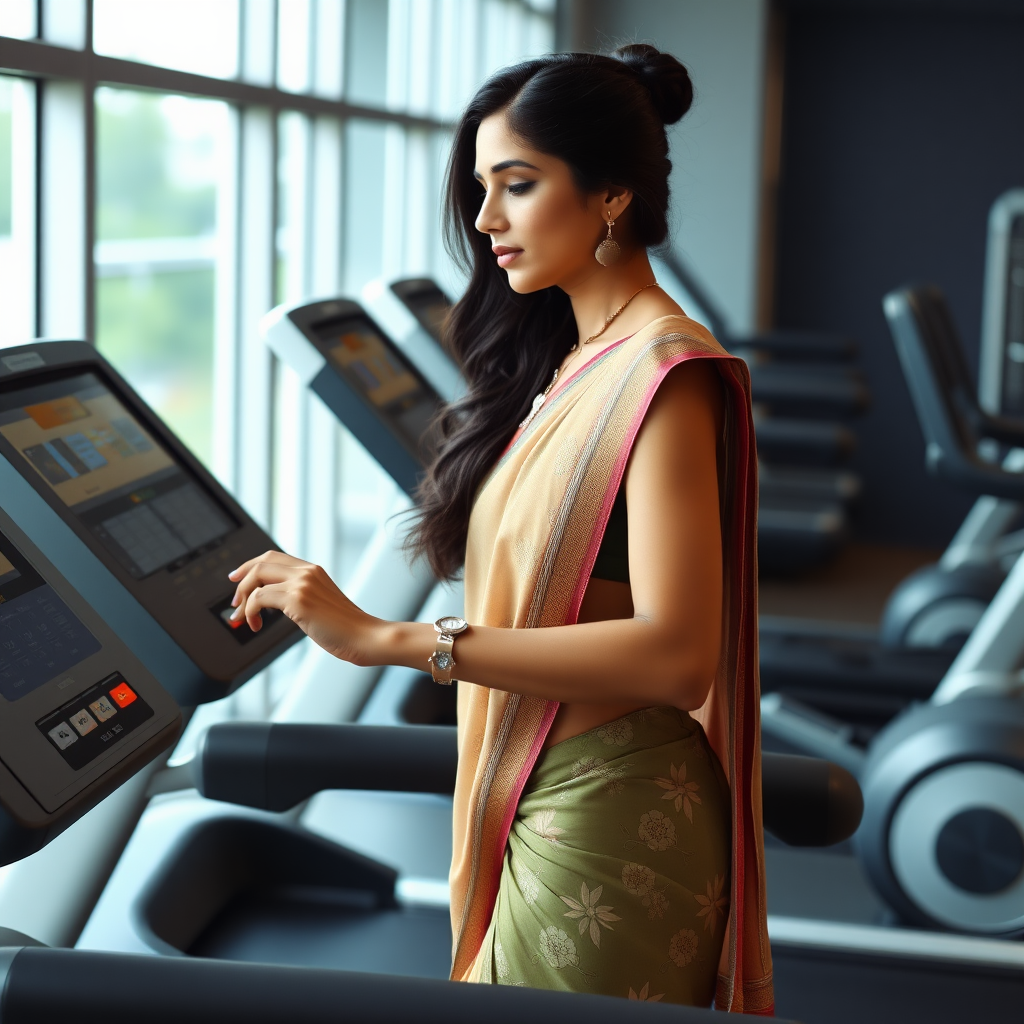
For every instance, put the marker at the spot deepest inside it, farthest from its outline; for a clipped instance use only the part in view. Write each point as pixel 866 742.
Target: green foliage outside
pixel 156 328
pixel 136 196
pixel 158 331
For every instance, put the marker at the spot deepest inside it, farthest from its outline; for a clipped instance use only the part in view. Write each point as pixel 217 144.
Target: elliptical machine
pixel 942 837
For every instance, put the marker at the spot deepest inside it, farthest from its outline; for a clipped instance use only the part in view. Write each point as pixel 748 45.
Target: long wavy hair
pixel 604 116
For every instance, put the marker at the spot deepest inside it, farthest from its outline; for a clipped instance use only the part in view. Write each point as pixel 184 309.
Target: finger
pixel 268 557
pixel 273 595
pixel 259 575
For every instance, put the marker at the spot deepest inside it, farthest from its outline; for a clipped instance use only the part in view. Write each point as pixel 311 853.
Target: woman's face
pixel 543 232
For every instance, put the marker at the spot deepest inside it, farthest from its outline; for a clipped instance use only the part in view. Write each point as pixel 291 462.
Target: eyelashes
pixel 519 188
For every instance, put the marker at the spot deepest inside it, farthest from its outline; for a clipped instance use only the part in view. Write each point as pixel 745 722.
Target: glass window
pixel 293 44
pixel 366 45
pixel 18 19
pixel 200 36
pixel 17 210
pixel 160 161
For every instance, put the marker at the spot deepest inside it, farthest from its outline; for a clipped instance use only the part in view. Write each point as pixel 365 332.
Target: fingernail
pixel 236 614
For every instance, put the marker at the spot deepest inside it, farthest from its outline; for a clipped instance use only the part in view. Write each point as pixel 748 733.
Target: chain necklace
pixel 538 402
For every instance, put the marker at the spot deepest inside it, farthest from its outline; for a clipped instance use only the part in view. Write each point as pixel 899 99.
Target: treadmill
pixel 85 463
pixel 80 715
pixel 813 955
pixel 802 519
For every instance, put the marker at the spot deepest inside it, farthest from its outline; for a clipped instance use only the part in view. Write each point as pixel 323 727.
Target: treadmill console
pixel 151 513
pixel 79 713
pixel 365 379
pixel 425 300
pixel 412 313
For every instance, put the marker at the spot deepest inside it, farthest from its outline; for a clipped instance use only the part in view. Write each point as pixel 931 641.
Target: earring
pixel 608 253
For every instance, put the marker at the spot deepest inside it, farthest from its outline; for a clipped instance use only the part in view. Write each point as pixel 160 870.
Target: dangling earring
pixel 608 253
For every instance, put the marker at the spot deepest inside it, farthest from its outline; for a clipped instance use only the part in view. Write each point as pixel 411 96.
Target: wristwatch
pixel 442 661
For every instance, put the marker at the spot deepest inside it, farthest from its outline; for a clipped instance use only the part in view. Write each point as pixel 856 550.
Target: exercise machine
pixel 79 713
pixel 226 856
pixel 84 462
pixel 943 833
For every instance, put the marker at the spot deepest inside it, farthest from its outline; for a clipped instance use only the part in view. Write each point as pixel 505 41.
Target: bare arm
pixel 665 654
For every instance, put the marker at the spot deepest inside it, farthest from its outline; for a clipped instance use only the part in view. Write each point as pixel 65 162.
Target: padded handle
pixel 807 801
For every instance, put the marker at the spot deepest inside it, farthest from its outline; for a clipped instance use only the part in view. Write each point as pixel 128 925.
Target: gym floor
pixel 852 589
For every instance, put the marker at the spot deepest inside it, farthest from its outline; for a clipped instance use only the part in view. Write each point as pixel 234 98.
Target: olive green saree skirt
pixel 614 879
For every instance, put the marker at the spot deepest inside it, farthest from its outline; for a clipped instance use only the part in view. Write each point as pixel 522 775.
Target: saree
pixel 534 533
pixel 606 888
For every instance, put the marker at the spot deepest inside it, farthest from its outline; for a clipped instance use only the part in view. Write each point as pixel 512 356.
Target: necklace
pixel 538 402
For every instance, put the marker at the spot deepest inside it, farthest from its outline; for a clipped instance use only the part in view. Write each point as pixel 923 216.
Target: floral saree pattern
pixel 534 533
pixel 608 885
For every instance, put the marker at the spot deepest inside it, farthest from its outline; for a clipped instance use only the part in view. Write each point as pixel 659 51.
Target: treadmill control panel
pixel 39 635
pixel 112 474
pixel 76 706
pixel 157 520
pixel 382 376
pixel 425 300
pixel 86 726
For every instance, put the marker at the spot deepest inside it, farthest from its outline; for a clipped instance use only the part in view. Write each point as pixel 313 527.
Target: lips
pixel 506 254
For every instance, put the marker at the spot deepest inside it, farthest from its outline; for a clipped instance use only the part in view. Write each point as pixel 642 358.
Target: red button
pixel 122 695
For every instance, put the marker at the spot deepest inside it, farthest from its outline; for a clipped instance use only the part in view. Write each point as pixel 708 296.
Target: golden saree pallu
pixel 534 534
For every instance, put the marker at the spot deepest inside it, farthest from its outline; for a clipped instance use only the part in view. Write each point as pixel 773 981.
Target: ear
pixel 614 202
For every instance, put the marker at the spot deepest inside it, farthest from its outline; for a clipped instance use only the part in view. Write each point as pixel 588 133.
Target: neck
pixel 604 290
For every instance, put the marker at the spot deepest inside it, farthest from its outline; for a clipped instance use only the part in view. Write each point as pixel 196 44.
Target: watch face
pixel 451 624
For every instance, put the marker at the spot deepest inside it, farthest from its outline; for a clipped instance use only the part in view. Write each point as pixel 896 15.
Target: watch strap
pixel 442 660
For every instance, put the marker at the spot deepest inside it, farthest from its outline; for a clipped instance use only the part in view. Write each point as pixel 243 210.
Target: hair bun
pixel 666 79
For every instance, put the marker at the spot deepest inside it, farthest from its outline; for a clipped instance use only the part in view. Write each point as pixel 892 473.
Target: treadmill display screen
pixel 381 374
pixel 40 637
pixel 430 307
pixel 77 436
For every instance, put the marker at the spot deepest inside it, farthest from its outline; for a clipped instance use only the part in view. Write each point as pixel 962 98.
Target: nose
pixel 491 219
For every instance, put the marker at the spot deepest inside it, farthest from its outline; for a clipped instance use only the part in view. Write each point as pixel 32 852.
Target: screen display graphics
pixel 378 371
pixel 430 308
pixel 40 637
pixel 77 437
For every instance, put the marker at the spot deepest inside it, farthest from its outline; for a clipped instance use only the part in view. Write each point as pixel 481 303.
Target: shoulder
pixel 677 327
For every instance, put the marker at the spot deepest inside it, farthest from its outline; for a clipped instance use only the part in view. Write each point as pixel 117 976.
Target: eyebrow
pixel 505 165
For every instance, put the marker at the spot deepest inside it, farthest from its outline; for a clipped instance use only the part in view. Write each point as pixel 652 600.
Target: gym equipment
pixel 48 985
pixel 287 914
pixel 361 914
pixel 100 484
pixel 1001 381
pixel 807 801
pixel 80 713
pixel 943 832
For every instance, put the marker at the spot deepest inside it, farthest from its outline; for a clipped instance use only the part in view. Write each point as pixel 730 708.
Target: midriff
pixel 603 600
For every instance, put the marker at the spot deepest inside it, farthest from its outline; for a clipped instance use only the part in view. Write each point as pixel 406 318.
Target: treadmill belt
pixel 313 926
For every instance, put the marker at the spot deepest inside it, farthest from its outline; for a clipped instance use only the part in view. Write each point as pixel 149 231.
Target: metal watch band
pixel 441 661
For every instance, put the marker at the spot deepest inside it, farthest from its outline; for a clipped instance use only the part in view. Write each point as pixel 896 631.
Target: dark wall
pixel 900 129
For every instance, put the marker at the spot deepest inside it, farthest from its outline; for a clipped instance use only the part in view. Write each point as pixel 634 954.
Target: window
pixel 239 154
pixel 17 211
pixel 200 36
pixel 160 163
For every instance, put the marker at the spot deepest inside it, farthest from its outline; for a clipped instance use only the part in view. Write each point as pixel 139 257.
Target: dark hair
pixel 604 116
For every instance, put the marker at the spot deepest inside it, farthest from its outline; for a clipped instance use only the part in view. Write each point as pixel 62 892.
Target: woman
pixel 598 481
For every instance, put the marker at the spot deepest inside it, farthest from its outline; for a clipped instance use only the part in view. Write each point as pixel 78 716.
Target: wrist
pixel 401 643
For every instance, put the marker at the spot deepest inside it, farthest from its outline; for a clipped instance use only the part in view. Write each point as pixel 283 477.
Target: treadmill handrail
pixel 808 801
pixel 935 370
pixel 48 985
